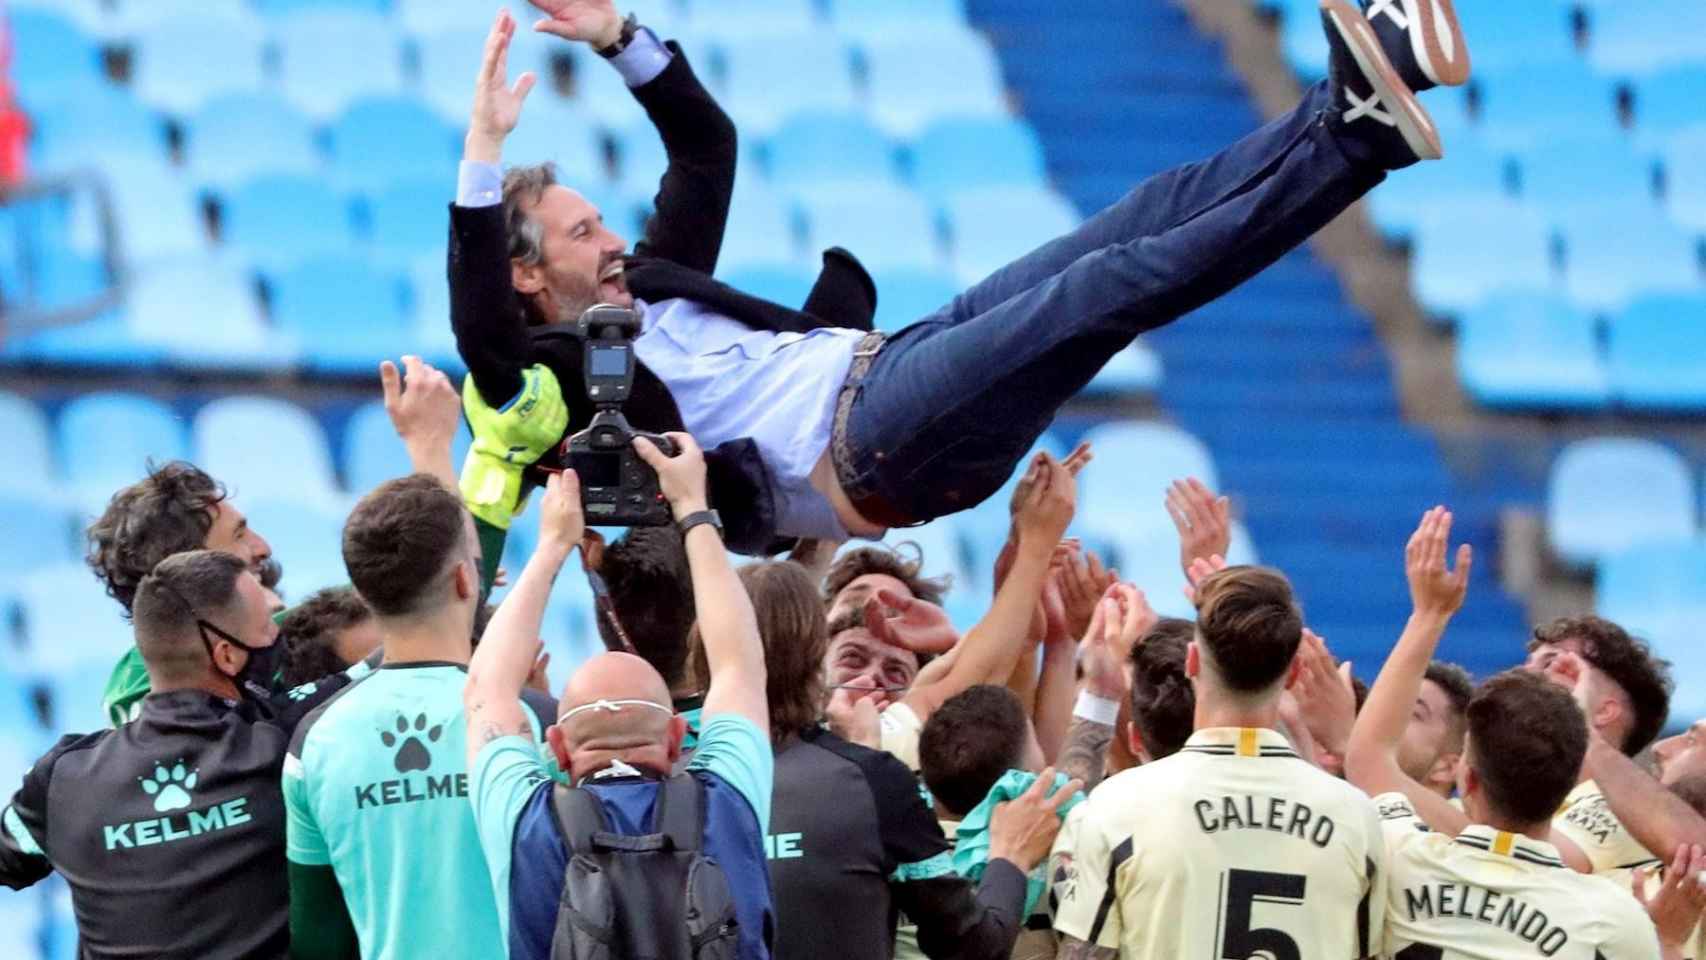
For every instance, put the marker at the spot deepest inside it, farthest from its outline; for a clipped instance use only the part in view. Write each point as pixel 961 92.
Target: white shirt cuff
pixel 479 184
pixel 643 59
pixel 1096 709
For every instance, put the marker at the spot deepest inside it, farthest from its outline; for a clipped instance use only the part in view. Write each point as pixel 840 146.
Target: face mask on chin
pixel 255 680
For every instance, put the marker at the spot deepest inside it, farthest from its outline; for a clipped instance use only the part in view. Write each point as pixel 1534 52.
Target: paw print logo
pixel 299 694
pixel 413 754
pixel 170 786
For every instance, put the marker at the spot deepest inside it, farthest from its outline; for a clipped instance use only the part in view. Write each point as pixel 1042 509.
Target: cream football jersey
pixel 1588 822
pixel 1233 847
pixel 1489 895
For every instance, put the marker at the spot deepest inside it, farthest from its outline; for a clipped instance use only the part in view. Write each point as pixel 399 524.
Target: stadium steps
pixel 1284 380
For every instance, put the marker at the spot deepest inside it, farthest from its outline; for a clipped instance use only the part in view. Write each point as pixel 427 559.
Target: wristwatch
pixel 630 26
pixel 711 517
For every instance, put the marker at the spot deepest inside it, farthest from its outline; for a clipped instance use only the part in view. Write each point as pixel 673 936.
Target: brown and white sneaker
pixel 1424 40
pixel 1374 104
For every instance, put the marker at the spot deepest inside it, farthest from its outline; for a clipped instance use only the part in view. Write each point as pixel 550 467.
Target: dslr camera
pixel 618 489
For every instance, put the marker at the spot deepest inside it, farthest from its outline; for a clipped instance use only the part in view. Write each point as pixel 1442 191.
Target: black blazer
pixel 674 259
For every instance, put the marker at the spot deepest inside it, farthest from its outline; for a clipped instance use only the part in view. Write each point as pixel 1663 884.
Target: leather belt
pixel 870 505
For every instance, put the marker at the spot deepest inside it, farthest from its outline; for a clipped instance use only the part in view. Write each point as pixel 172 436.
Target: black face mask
pixel 256 678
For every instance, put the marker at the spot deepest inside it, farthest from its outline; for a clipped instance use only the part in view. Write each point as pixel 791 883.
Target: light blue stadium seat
pixel 1527 108
pixel 1668 102
pixel 1656 352
pixel 1531 351
pixel 719 19
pixel 1504 37
pixel 242 440
pixel 284 218
pixel 990 228
pixel 424 17
pixel 884 225
pixel 307 538
pixel 959 153
pixel 1459 262
pixel 109 123
pixel 204 314
pixel 24 437
pixel 49 49
pixel 449 62
pixel 565 134
pixel 1136 369
pixel 907 294
pixel 1588 172
pixel 877 18
pixel 407 219
pixel 761 227
pixel 38 533
pixel 815 148
pixel 601 92
pixel 243 135
pixel 1643 37
pixel 1135 462
pixel 1685 195
pixel 1616 255
pixel 930 72
pixel 1610 494
pixel 157 213
pixel 379 140
pixel 330 58
pixel 373 453
pixel 73 627
pixel 785 283
pixel 182 63
pixel 769 78
pixel 1650 581
pixel 274 8
pixel 107 440
pixel 346 313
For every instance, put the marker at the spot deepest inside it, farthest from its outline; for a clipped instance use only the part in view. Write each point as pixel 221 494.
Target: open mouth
pixel 611 277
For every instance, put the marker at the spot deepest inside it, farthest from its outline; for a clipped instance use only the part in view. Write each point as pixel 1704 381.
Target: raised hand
pixel 1049 504
pixel 562 520
pixel 497 105
pixel 594 22
pixel 1204 521
pixel 1676 906
pixel 1121 618
pixel 1199 570
pixel 916 625
pixel 681 478
pixel 1083 582
pixel 423 405
pixel 1435 590
pixel 1325 697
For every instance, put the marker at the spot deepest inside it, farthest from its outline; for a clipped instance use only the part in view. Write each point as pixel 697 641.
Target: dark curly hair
pixel 309 631
pixel 1628 661
pixel 890 561
pixel 169 511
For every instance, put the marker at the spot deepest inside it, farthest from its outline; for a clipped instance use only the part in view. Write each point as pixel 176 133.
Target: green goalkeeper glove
pixel 507 441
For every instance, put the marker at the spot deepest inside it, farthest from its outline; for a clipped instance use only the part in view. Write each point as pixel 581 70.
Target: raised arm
pixel 1436 594
pixel 425 411
pixel 692 203
pixel 499 668
pixel 1658 819
pixel 990 649
pixel 727 626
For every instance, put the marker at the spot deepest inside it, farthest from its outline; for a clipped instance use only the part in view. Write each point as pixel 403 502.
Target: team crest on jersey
pixel 413 753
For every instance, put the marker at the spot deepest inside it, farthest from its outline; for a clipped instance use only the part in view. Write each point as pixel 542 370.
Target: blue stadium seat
pixel 204 314
pixel 1136 369
pixel 1616 255
pixel 109 123
pixel 346 314
pixel 449 62
pixel 330 58
pixel 925 73
pixel 876 18
pixel 1642 37
pixel 1685 176
pixel 1610 494
pixel 381 139
pixel 761 227
pixel 1531 351
pixel 600 91
pixel 156 211
pixel 882 224
pixel 280 219
pixel 24 437
pixel 1510 36
pixel 74 629
pixel 373 454
pixel 907 294
pixel 769 78
pixel 107 440
pixel 274 8
pixel 1527 108
pixel 241 440
pixel 745 18
pixel 243 135
pixel 424 17
pixel 306 536
pixel 182 63
pixel 958 153
pixel 1591 172
pixel 1656 353
pixel 992 227
pixel 1668 102
pixel 407 219
pixel 1650 581
pixel 1460 261
pixel 816 148
pixel 38 533
pixel 786 283
pixel 1135 462
pixel 49 49
pixel 563 133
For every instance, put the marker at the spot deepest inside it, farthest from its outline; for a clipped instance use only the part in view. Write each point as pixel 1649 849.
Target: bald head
pixel 638 734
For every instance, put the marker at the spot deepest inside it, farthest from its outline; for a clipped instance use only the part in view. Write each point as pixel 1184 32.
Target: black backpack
pixel 655 896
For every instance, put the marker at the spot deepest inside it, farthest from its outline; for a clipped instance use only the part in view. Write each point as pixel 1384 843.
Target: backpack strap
pixel 579 817
pixel 680 813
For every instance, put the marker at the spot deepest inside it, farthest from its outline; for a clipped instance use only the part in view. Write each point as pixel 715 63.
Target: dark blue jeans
pixel 953 402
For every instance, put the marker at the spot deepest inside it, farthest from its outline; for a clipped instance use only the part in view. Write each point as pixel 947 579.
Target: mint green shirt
pixel 376 786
